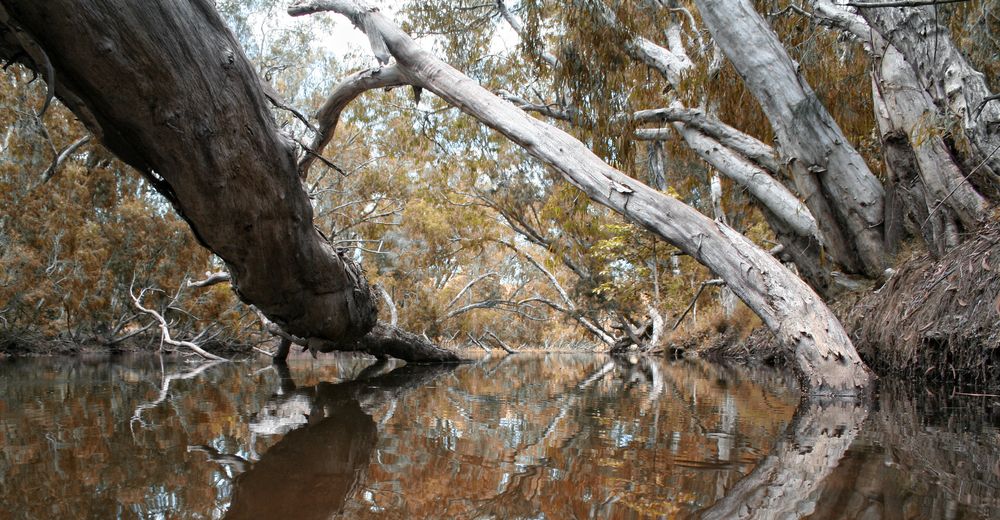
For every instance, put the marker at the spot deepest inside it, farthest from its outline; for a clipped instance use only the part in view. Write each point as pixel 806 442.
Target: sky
pixel 345 40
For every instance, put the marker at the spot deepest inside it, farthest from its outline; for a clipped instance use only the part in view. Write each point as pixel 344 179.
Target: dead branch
pixel 570 308
pixel 211 279
pixel 346 91
pixel 276 100
pixel 500 342
pixel 468 286
pixel 393 314
pixel 61 158
pixel 477 342
pixel 165 330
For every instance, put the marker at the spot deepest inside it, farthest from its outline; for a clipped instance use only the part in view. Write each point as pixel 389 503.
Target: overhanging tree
pixel 165 86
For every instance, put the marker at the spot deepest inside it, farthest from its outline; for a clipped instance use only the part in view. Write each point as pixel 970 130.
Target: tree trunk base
pixel 387 341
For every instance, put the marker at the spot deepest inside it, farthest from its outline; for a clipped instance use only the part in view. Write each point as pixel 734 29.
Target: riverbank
pixel 37 345
pixel 934 319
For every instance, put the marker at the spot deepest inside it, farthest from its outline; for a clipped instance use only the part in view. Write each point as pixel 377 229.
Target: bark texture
pixel 914 150
pixel 843 194
pixel 165 86
pixel 172 94
pixel 826 359
pixel 956 88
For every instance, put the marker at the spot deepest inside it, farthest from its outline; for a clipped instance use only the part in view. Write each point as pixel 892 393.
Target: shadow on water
pixel 559 436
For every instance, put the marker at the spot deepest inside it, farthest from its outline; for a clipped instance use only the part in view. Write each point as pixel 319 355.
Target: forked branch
pixel 165 330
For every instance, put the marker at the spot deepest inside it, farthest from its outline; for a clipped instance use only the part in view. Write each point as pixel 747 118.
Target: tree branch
pixel 714 282
pixel 165 330
pixel 467 287
pixel 827 361
pixel 61 158
pixel 346 91
pixel 211 279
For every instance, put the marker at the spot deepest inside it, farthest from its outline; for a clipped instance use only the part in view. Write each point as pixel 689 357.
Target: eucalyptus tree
pixel 821 197
pixel 169 90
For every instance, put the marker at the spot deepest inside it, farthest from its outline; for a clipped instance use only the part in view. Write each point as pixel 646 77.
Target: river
pixel 524 436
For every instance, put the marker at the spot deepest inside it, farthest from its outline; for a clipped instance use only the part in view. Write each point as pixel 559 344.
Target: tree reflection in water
pixel 310 472
pixel 564 436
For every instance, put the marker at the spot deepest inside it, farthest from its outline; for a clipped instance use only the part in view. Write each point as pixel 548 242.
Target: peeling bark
pixel 956 88
pixel 909 109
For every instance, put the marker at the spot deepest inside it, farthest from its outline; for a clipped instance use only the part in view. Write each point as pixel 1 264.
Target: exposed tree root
pixel 936 319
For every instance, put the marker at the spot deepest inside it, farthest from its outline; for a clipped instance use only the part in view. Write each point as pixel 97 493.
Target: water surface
pixel 525 436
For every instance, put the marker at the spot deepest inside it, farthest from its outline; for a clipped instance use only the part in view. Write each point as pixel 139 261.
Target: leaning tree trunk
pixel 837 185
pixel 956 88
pixel 165 86
pixel 913 150
pixel 826 359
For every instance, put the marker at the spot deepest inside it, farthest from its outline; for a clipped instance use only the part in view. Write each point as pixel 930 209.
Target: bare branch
pixel 549 110
pixel 346 91
pixel 276 99
pixel 500 343
pixel 165 331
pixel 827 360
pixel 515 23
pixel 477 342
pixel 393 314
pixel 211 279
pixel 750 147
pixel 714 282
pixel 468 286
pixel 61 158
pixel 570 308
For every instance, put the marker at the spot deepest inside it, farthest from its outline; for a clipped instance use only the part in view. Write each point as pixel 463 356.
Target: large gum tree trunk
pixel 826 359
pixel 913 150
pixel 166 87
pixel 958 90
pixel 837 185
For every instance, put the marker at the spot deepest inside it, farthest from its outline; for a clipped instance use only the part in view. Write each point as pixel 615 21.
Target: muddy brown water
pixel 526 436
